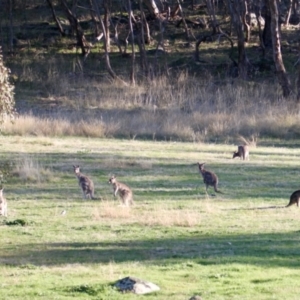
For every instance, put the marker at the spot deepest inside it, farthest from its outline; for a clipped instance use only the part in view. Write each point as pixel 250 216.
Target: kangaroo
pixel 294 198
pixel 243 152
pixel 122 190
pixel 3 204
pixel 85 183
pixel 209 178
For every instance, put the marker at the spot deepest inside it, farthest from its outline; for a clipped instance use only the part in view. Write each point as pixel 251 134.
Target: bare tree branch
pixel 106 52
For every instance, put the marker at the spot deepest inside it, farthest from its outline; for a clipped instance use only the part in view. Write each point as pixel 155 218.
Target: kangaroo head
pixel 201 166
pixel 76 169
pixel 235 154
pixel 112 179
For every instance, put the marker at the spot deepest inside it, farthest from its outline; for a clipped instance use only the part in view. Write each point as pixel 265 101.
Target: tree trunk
pixel 186 28
pixel 106 23
pixel 257 9
pixel 132 71
pixel 106 53
pixel 212 14
pixel 117 40
pixel 93 15
pixel 295 6
pixel 141 41
pixel 288 14
pixel 298 82
pixel 267 34
pixel 237 11
pixel 276 41
pixel 244 20
pixel 146 30
pixel 81 40
pixel 57 21
pixel 152 7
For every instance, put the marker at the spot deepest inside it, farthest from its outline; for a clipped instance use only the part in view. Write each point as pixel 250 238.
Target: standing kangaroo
pixel 209 178
pixel 243 152
pixel 294 198
pixel 85 183
pixel 3 204
pixel 122 190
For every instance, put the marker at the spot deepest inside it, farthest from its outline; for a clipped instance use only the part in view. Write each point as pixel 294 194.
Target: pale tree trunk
pixel 132 72
pixel 117 41
pixel 277 56
pixel 152 7
pixel 238 11
pixel 106 23
pixel 288 14
pixel 247 26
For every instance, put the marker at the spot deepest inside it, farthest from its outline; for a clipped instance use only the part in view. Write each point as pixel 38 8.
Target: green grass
pixel 238 245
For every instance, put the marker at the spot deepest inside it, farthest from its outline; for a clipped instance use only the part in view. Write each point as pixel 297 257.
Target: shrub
pixel 7 103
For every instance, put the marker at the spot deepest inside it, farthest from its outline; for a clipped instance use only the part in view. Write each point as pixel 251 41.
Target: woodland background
pixel 181 70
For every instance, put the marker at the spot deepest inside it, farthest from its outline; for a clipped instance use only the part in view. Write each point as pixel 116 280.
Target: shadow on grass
pixel 267 250
pixel 256 208
pixel 160 177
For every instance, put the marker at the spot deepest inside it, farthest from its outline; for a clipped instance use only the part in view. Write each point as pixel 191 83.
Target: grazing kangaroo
pixel 243 152
pixel 122 190
pixel 3 204
pixel 85 183
pixel 295 198
pixel 209 178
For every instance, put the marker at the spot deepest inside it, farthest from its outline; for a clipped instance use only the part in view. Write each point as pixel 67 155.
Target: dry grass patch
pixel 170 217
pixel 166 110
pixel 156 216
pixel 29 169
pixel 111 210
pixel 32 125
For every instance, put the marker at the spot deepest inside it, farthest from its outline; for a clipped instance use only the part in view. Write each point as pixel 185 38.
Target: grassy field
pixel 242 244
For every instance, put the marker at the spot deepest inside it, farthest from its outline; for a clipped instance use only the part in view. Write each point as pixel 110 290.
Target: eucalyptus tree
pixel 55 17
pixel 238 12
pixel 277 55
pixel 75 25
